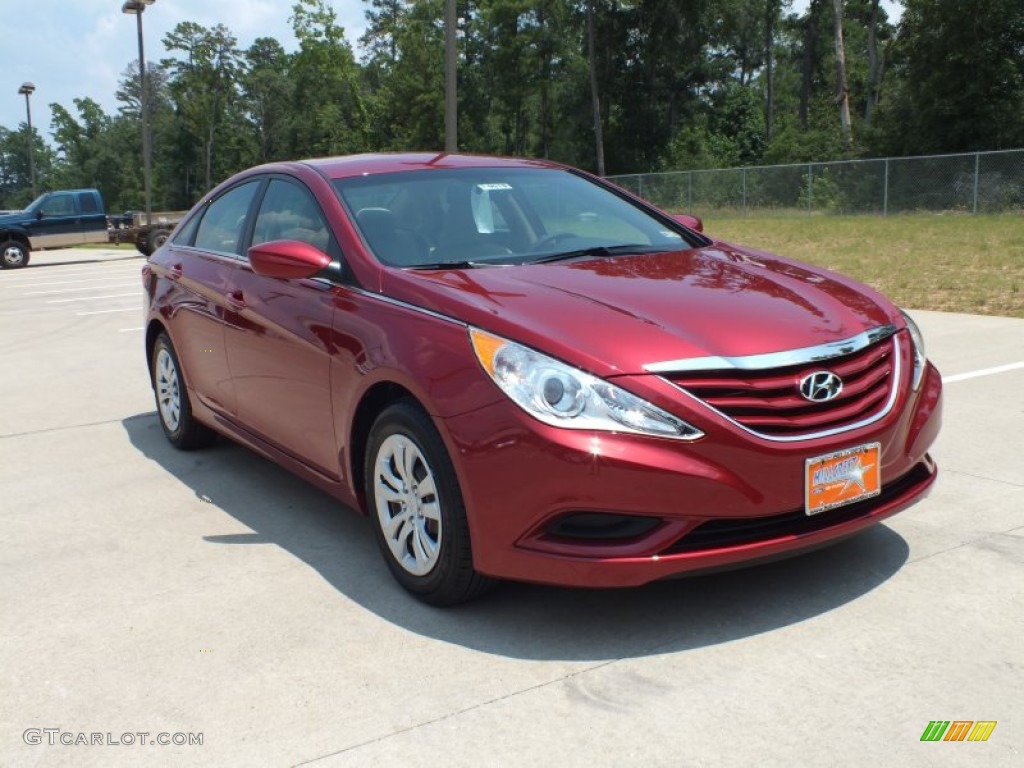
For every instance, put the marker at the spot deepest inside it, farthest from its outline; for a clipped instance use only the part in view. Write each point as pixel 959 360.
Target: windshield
pixel 499 216
pixel 37 202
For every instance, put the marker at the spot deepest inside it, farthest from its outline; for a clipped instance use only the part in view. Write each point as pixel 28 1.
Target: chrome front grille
pixel 767 401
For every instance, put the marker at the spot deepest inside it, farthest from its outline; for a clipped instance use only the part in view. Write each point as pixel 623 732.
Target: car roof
pixel 359 165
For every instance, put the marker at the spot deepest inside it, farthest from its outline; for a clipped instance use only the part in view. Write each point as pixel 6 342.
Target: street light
pixel 136 8
pixel 26 90
pixel 451 109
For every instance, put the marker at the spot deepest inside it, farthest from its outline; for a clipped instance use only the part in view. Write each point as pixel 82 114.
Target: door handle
pixel 236 299
pixel 175 270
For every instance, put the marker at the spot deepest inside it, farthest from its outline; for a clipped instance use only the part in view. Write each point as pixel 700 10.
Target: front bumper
pixel 726 500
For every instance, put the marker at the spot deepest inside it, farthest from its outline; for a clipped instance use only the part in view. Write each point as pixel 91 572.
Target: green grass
pixel 950 263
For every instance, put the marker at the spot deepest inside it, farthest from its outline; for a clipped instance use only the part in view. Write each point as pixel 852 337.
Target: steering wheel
pixel 554 239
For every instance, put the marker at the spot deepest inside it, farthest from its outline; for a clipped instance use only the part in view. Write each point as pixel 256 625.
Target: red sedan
pixel 518 370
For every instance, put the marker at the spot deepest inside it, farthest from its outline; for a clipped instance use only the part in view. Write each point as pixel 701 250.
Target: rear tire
pixel 173 407
pixel 13 254
pixel 157 238
pixel 416 508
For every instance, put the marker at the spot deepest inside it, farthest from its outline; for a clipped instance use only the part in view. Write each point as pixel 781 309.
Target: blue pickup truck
pixel 53 220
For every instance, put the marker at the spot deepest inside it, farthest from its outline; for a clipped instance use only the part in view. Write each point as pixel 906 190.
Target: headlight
pixel 919 356
pixel 563 396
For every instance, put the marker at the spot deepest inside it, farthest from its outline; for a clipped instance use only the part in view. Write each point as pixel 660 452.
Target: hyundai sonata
pixel 518 370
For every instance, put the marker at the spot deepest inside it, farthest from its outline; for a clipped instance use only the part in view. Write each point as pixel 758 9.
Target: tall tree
pixel 772 9
pixel 875 65
pixel 961 78
pixel 809 57
pixel 124 135
pixel 204 86
pixel 407 75
pixel 842 83
pixel 267 90
pixel 328 92
pixel 15 179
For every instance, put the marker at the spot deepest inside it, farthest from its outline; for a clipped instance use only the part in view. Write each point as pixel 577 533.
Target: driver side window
pixel 289 212
pixel 59 205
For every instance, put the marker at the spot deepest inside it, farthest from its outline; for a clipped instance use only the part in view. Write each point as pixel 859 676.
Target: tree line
pixel 615 86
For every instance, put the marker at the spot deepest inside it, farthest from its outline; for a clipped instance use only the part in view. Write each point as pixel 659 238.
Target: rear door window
pixel 87 203
pixel 224 221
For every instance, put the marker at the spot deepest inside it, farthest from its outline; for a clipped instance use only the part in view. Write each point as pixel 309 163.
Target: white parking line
pixel 982 372
pixel 84 269
pixel 92 298
pixel 123 276
pixel 107 311
pixel 125 330
pixel 75 290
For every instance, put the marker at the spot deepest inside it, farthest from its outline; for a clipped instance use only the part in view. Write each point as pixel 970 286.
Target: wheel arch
pixel 17 236
pixel 373 402
pixel 153 329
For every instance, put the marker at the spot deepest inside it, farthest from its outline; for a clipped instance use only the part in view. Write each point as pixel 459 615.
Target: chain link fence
pixel 980 182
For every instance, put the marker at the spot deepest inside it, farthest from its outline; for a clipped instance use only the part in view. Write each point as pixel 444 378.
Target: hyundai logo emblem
pixel 820 386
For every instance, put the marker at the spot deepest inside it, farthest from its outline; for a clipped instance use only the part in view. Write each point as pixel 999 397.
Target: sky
pixel 893 7
pixel 79 48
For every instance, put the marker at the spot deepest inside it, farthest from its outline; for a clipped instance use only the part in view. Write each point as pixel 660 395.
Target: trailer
pixel 131 227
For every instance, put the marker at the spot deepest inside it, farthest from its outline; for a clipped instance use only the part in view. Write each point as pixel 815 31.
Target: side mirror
pixel 690 222
pixel 287 259
pixel 39 213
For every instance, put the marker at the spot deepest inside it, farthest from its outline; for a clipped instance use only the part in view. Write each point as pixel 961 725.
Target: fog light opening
pixel 601 526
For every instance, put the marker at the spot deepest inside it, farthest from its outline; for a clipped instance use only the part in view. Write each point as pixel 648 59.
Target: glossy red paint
pixel 612 316
pixel 287 259
pixel 298 363
pixel 725 476
pixel 691 222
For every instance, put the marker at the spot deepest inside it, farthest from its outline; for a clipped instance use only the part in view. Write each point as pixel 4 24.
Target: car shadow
pixel 520 620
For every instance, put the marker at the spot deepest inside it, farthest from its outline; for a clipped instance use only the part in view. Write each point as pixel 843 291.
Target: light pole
pixel 27 89
pixel 451 119
pixel 135 8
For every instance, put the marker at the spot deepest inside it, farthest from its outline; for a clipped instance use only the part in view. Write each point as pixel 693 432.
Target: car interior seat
pixel 460 236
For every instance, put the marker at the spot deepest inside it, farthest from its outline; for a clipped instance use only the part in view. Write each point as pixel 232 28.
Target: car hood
pixel 615 315
pixel 10 217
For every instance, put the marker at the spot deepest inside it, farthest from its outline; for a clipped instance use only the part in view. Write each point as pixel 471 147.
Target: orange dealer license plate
pixel 842 478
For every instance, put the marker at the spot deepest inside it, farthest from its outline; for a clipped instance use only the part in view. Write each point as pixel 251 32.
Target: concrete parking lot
pixel 150 591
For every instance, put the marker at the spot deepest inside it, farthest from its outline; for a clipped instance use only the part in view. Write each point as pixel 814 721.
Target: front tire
pixel 416 508
pixel 173 406
pixel 13 254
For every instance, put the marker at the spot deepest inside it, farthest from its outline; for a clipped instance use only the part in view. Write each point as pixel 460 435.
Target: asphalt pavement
pixel 213 596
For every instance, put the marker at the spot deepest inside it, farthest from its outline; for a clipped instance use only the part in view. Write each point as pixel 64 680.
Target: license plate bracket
pixel 843 477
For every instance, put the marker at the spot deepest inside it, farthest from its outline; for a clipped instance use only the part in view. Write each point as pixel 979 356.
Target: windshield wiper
pixel 600 250
pixel 457 265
